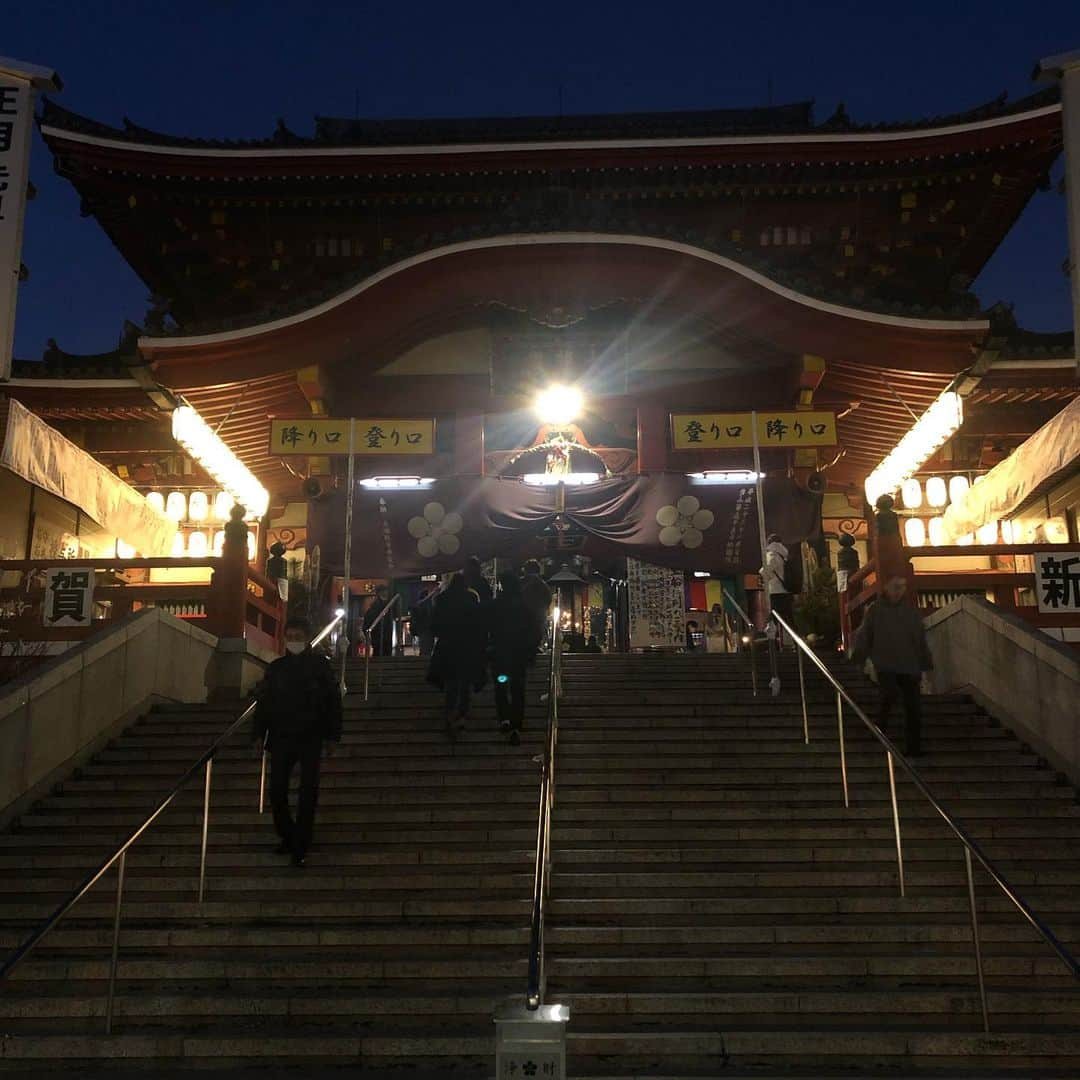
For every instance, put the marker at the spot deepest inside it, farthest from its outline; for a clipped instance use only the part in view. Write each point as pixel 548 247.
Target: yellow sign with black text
pixel 730 431
pixel 323 436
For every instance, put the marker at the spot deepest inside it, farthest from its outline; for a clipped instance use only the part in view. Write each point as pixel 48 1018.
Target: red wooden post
pixel 890 554
pixel 227 609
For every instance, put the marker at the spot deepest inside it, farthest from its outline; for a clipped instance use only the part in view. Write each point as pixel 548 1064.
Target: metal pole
pixel 802 693
pixel 773 642
pixel 753 661
pixel 843 754
pixel 368 640
pixel 262 779
pixel 896 822
pixel 205 827
pixel 114 961
pixel 350 498
pixel 975 938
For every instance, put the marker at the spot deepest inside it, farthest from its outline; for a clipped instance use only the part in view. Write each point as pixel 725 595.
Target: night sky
pixel 229 69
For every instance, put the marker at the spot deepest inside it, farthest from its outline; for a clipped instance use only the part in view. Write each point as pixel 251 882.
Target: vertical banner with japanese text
pixel 16 114
pixel 657 599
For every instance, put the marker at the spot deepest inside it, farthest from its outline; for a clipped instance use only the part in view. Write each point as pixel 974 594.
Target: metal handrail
pixel 970 845
pixel 119 856
pixel 534 994
pixel 747 638
pixel 368 639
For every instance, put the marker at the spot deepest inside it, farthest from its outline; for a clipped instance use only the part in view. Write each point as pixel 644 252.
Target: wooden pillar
pixel 652 438
pixel 889 552
pixel 469 444
pixel 228 586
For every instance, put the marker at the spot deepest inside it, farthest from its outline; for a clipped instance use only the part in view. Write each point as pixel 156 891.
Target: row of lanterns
pixel 917 532
pixel 192 545
pixel 937 494
pixel 196 507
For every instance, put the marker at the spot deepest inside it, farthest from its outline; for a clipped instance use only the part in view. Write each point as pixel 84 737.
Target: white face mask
pixel 295 647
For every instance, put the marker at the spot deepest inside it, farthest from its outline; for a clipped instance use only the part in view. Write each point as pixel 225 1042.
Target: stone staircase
pixel 715 907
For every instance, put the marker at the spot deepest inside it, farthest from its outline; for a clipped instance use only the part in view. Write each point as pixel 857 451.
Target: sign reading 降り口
pixel 1057 582
pixel 729 431
pixel 69 596
pixel 324 436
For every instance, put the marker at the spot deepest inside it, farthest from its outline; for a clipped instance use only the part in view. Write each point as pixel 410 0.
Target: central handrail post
pixel 262 778
pixel 896 821
pixel 368 641
pixel 975 938
pixel 205 827
pixel 843 752
pixel 802 694
pixel 115 958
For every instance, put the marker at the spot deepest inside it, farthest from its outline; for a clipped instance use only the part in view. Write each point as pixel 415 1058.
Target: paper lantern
pixel 936 492
pixel 251 546
pixel 157 501
pixel 178 546
pixel 1007 532
pixel 197 545
pixel 1056 530
pixel 966 540
pixel 198 506
pixel 911 493
pixel 988 533
pixel 223 503
pixel 219 543
pixel 176 505
pixel 915 532
pixel 958 488
pixel 124 551
pixel 936 529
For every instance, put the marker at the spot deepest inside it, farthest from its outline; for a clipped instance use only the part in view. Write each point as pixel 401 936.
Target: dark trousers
pixel 510 696
pixel 891 685
pixel 284 757
pixel 458 696
pixel 784 605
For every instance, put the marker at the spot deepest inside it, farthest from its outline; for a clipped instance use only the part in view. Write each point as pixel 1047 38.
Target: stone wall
pixel 1020 675
pixel 64 711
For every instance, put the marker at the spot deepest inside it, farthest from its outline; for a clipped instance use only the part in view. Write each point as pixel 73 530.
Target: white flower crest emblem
pixel 684 523
pixel 436 532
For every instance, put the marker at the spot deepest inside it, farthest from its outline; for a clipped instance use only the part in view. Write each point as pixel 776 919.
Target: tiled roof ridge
pixel 793 118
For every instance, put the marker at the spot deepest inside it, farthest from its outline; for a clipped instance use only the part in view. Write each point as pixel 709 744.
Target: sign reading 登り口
pixel 322 436
pixel 729 431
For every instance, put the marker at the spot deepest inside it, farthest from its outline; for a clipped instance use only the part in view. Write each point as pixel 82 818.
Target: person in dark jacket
pixel 475 580
pixel 513 646
pixel 382 643
pixel 537 596
pixel 458 662
pixel 298 709
pixel 892 635
pixel 420 623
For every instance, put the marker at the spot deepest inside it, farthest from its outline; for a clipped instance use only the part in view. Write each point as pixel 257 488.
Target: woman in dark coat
pixel 457 664
pixel 513 647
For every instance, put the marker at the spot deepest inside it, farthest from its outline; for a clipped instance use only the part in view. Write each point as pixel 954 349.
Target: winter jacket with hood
pixel 892 635
pixel 772 573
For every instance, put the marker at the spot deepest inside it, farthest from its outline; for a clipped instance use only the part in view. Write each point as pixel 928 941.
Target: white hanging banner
pixel 657 602
pixel 17 85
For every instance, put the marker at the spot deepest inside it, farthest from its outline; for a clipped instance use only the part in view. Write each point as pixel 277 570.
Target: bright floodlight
pixel 559 404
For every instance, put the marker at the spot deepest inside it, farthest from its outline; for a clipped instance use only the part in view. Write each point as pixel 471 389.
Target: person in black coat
pixel 537 595
pixel 475 580
pixel 513 646
pixel 382 643
pixel 457 664
pixel 298 708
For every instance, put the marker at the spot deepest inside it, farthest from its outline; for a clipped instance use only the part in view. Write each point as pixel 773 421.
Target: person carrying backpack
pixel 775 578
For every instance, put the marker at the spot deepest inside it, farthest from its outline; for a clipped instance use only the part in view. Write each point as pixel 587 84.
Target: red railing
pixel 236 601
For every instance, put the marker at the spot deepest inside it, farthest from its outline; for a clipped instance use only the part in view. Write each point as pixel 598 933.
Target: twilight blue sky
pixel 229 68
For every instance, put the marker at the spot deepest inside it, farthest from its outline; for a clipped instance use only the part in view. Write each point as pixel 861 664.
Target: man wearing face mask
pixel 299 706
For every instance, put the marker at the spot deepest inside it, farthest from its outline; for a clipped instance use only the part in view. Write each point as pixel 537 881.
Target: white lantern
pixel 219 543
pixel 157 501
pixel 124 551
pixel 197 545
pixel 222 505
pixel 176 505
pixel 911 493
pixel 966 540
pixel 178 545
pixel 1056 530
pixel 936 529
pixel 988 533
pixel 1007 532
pixel 251 546
pixel 936 492
pixel 958 487
pixel 198 506
pixel 915 532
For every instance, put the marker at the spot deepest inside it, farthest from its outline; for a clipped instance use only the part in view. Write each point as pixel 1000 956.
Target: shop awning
pixel 43 457
pixel 1006 487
